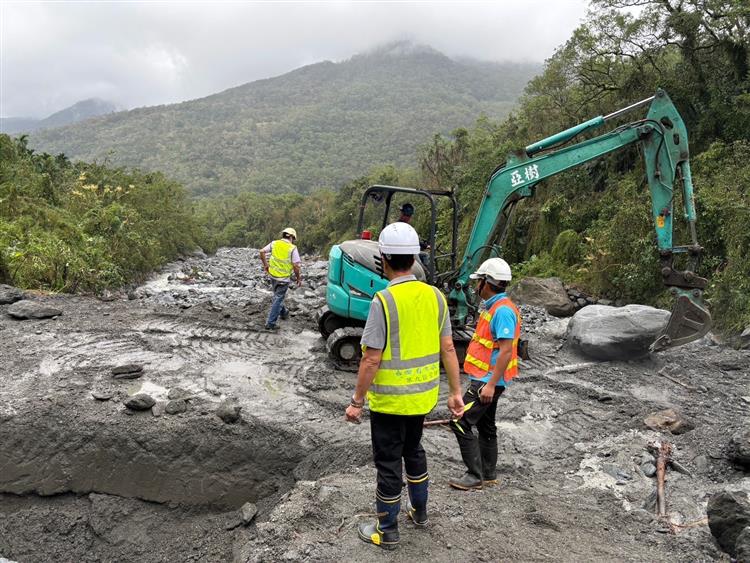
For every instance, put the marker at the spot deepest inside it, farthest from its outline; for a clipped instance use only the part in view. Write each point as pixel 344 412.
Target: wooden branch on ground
pixel 437 422
pixel 663 373
pixel 664 453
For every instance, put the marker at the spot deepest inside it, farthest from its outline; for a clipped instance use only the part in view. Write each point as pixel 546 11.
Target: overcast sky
pixel 53 54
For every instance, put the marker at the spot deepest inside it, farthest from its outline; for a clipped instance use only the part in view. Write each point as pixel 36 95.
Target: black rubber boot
pixel 472 479
pixel 416 507
pixel 383 532
pixel 488 450
pixel 467 482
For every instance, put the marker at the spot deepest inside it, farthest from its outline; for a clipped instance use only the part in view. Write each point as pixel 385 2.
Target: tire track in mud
pixel 202 342
pixel 157 341
pixel 78 350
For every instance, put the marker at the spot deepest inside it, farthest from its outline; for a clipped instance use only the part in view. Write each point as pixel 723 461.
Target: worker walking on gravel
pixel 283 262
pixel 491 363
pixel 407 333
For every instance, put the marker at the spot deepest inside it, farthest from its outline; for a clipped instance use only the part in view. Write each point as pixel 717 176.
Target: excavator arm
pixel 663 139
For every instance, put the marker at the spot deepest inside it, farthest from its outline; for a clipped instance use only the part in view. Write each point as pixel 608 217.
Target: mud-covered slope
pixel 87 479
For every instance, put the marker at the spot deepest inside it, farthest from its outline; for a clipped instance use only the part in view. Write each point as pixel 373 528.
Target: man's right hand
pixel 353 414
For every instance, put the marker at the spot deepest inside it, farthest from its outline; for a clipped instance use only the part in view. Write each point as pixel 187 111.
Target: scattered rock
pixel 158 408
pixel 739 448
pixel 102 395
pixel 9 294
pixel 610 333
pixel 617 472
pixel 107 296
pixel 178 393
pixel 668 420
pixel 701 463
pixel 648 469
pixel 229 412
pixel 728 516
pixel 605 302
pixel 731 363
pixel 197 253
pixel 176 406
pixel 140 402
pixel 543 292
pixel 555 329
pixel 248 511
pixel 127 371
pixel 28 309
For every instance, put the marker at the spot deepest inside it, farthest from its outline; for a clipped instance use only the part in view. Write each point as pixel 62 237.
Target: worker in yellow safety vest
pixel 284 261
pixel 491 363
pixel 407 333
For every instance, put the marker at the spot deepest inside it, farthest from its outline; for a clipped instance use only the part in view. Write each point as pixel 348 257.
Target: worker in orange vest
pixel 491 363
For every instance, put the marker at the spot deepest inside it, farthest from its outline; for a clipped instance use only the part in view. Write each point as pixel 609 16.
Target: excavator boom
pixel 664 142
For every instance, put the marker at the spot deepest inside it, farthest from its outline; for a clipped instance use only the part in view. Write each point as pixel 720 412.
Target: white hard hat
pixel 398 238
pixel 290 231
pixel 496 269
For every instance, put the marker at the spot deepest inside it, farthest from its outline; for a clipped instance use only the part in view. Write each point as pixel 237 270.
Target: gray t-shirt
pixel 374 334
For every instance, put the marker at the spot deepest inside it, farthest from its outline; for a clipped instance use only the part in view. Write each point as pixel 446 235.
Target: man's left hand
pixel 456 405
pixel 487 394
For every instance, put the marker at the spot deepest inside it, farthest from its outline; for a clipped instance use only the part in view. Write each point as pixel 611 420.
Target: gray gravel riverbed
pixel 241 415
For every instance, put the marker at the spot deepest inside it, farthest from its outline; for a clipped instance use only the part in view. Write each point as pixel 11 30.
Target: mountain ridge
pixel 316 126
pixel 80 111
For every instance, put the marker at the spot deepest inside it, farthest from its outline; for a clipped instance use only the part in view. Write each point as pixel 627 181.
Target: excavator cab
pixel 355 270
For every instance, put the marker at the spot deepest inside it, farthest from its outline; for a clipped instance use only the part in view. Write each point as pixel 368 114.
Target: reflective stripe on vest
pixel 478 362
pixel 280 264
pixel 408 377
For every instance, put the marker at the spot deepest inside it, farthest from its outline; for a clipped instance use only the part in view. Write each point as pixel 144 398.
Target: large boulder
pixel 616 333
pixel 9 294
pixel 140 402
pixel 739 448
pixel 28 309
pixel 728 515
pixel 543 292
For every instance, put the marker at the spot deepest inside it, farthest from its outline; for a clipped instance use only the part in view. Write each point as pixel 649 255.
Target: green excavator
pixel 355 270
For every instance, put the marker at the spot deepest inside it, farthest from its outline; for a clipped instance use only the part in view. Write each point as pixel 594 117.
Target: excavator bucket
pixel 690 320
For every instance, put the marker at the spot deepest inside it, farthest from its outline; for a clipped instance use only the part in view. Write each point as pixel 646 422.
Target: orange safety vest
pixel 478 361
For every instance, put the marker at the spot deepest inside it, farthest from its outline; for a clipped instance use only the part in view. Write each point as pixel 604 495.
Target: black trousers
pixel 481 415
pixel 395 438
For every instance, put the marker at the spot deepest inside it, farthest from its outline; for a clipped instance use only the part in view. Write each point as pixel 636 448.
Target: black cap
pixel 407 209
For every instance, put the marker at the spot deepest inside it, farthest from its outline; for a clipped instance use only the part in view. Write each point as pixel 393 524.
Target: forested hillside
pixel 85 227
pixel 314 127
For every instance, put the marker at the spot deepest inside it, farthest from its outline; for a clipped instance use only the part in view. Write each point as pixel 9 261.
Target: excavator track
pixel 343 346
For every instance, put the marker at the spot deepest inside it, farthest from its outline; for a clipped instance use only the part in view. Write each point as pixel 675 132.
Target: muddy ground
pixel 86 479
